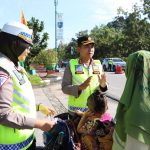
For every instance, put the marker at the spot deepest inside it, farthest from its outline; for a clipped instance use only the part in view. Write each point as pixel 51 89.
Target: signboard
pixel 59 26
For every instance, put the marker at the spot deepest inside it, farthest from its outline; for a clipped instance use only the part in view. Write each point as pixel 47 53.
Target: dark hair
pixel 100 101
pixel 12 46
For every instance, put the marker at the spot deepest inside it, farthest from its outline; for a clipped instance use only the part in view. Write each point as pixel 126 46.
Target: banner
pixel 59 26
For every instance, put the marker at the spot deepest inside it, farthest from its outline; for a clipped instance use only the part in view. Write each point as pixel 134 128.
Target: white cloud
pixel 106 10
pixel 127 4
pixel 102 16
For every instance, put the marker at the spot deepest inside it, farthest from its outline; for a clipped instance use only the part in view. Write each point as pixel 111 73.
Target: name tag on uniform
pixel 79 69
pixel 96 69
pixel 19 77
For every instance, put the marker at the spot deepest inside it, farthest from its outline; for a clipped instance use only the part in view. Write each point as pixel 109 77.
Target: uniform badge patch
pixel 3 79
pixel 79 69
pixel 96 69
pixel 19 77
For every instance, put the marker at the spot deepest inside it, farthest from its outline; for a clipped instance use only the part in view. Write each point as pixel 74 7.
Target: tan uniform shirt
pixel 7 116
pixel 70 89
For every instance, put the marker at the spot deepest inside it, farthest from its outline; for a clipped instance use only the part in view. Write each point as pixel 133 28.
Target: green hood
pixel 133 111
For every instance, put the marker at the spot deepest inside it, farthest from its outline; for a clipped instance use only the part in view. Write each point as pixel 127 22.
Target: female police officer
pixel 17 102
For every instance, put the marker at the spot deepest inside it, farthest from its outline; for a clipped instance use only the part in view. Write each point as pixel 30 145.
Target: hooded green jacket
pixel 133 112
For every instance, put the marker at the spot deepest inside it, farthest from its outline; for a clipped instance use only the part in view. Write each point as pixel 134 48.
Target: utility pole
pixel 55 4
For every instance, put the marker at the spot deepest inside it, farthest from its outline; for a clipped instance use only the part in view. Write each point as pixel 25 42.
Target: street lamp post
pixel 55 3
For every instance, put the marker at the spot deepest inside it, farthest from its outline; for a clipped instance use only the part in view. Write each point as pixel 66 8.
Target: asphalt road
pixel 116 83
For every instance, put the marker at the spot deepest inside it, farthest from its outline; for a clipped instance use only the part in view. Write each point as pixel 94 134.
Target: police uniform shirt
pixel 67 86
pixel 7 116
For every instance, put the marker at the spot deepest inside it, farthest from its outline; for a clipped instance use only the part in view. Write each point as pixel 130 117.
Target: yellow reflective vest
pixel 79 74
pixel 110 62
pixel 23 103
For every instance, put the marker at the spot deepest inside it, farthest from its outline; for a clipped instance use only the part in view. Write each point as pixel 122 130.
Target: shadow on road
pixel 40 148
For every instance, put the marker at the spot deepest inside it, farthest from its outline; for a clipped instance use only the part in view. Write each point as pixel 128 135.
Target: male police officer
pixel 110 64
pixel 83 75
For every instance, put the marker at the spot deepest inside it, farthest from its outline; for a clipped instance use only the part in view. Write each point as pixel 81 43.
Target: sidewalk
pixel 52 96
pixel 47 96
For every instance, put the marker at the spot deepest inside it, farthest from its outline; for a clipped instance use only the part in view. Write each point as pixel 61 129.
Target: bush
pixel 46 57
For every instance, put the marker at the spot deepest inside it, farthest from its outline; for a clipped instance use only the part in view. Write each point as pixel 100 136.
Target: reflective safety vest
pixel 110 62
pixel 23 103
pixel 79 74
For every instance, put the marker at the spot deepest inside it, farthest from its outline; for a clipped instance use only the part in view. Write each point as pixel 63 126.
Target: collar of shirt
pixel 86 66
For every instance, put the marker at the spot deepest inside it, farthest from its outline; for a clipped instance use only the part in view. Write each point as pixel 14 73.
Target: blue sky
pixel 77 14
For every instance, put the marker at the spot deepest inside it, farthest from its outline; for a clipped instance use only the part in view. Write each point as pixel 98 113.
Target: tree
pixel 106 41
pixel 39 41
pixel 61 51
pixel 82 33
pixel 136 31
pixel 146 6
pixel 127 33
pixel 46 57
pixel 71 48
pixel 119 21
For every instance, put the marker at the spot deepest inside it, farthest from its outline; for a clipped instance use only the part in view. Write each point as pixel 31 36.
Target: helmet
pixel 20 30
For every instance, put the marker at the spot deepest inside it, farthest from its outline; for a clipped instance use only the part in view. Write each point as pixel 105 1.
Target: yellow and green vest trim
pixel 79 74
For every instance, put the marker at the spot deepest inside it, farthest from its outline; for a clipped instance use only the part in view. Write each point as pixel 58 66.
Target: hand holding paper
pixel 46 110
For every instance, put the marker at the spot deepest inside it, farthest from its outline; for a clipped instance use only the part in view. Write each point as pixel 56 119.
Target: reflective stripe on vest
pixel 23 103
pixel 80 103
pixel 17 146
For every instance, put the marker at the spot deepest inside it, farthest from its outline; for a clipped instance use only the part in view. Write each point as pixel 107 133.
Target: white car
pixel 116 62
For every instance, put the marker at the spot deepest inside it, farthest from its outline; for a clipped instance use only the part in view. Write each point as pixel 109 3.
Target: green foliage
pixel 82 33
pixel 62 51
pixel 39 39
pixel 46 57
pixel 72 46
pixel 146 6
pixel 35 79
pixel 107 41
pixel 127 33
pixel 69 51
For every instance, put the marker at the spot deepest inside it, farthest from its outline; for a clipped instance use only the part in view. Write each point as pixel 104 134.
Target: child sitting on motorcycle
pixel 96 125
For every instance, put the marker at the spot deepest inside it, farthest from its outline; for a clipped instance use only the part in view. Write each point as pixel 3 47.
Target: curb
pixel 115 98
pixel 51 80
pixel 55 79
pixel 46 82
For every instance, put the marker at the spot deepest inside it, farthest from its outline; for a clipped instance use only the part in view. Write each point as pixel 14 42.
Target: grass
pixel 35 80
pixel 50 76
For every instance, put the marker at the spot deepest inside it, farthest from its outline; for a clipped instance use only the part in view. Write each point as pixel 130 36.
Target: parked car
pixel 116 62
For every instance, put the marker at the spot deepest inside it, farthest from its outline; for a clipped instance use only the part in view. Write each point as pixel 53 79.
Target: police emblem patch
pixel 96 69
pixel 3 79
pixel 79 69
